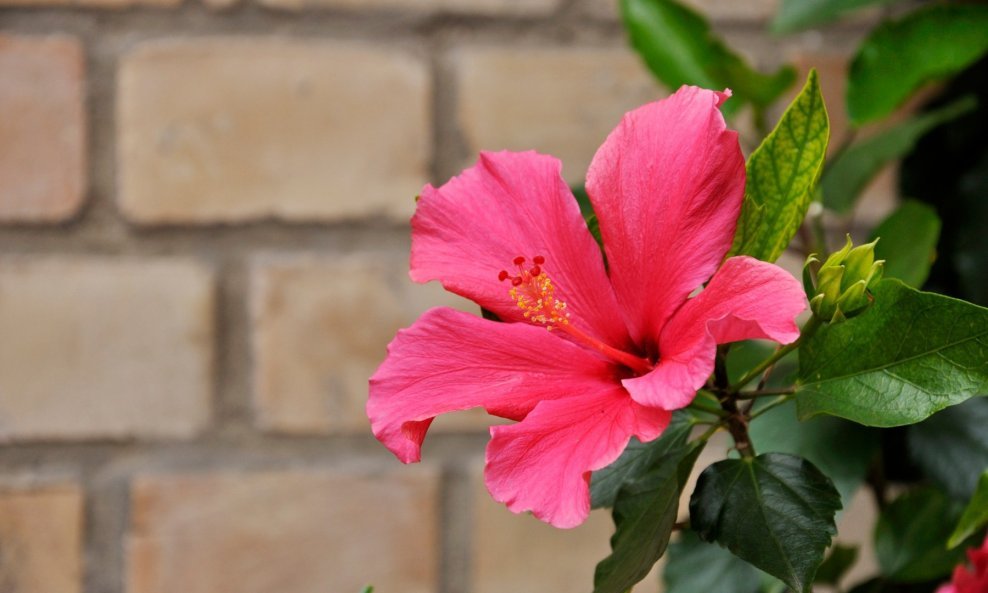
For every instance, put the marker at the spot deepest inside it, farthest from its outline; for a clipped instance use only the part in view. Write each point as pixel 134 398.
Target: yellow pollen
pixel 535 296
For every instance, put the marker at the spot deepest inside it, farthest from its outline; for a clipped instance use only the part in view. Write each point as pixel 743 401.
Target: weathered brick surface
pixel 519 553
pixel 559 101
pixel 485 7
pixel 301 531
pixel 233 129
pixel 320 328
pixel 101 348
pixel 41 538
pixel 42 131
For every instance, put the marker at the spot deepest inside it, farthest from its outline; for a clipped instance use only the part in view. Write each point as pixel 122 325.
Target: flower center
pixel 534 293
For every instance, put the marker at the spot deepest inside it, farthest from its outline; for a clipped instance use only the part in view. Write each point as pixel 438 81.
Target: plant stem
pixel 708 409
pixel 765 393
pixel 774 403
pixel 808 330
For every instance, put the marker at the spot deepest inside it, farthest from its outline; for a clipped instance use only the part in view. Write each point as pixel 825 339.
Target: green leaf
pixel 952 447
pixel 644 513
pixel 782 175
pixel 911 536
pixel 898 57
pixel 838 562
pixel 679 48
pixel 847 176
pixel 794 15
pixel 776 511
pixel 840 449
pixel 637 459
pixel 908 242
pixel 975 514
pixel 695 566
pixel 906 357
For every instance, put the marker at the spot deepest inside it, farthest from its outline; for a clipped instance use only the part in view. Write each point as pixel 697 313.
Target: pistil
pixel 534 293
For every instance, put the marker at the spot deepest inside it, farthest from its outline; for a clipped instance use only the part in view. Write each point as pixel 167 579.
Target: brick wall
pixel 203 244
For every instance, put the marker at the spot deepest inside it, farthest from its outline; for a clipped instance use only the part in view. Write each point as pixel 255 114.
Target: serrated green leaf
pixel 975 515
pixel 848 175
pixel 898 57
pixel 694 566
pixel 840 559
pixel 637 459
pixel 679 48
pixel 782 175
pixel 911 537
pixel 906 357
pixel 842 450
pixel 794 15
pixel 776 511
pixel 644 513
pixel 952 447
pixel 908 242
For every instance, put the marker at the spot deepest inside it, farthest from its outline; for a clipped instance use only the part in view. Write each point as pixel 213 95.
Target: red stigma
pixel 502 275
pixel 538 260
pixel 516 281
pixel 535 271
pixel 519 260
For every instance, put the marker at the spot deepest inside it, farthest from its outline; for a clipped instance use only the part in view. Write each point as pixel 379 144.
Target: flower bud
pixel 842 282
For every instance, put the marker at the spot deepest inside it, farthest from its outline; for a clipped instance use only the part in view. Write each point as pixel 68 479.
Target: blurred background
pixel 203 253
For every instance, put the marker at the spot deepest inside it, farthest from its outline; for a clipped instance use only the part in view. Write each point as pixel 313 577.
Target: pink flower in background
pixel 587 356
pixel 973 580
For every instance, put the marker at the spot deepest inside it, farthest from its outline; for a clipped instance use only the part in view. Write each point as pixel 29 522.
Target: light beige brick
pixel 42 131
pixel 485 7
pixel 104 348
pixel 732 10
pixel 300 531
pixel 100 4
pixel 41 538
pixel 561 101
pixel 520 554
pixel 233 129
pixel 320 329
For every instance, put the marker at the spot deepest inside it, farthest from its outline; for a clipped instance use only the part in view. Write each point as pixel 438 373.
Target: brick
pixel 482 7
pixel 727 10
pixel 300 531
pixel 521 554
pixel 558 101
pixel 232 129
pixel 100 4
pixel 320 327
pixel 41 532
pixel 104 348
pixel 42 132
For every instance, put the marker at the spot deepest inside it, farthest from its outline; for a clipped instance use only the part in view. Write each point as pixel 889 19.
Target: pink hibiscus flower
pixel 973 580
pixel 587 355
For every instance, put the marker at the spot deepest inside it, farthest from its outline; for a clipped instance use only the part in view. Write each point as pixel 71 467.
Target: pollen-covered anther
pixel 533 292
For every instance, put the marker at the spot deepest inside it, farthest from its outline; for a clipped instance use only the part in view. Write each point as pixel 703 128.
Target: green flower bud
pixel 842 282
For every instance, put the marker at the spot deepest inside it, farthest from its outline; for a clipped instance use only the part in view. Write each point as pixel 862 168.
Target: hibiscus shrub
pixel 623 328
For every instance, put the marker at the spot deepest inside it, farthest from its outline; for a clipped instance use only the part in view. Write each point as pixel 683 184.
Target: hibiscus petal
pixel 509 205
pixel 543 463
pixel 746 299
pixel 667 186
pixel 450 360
